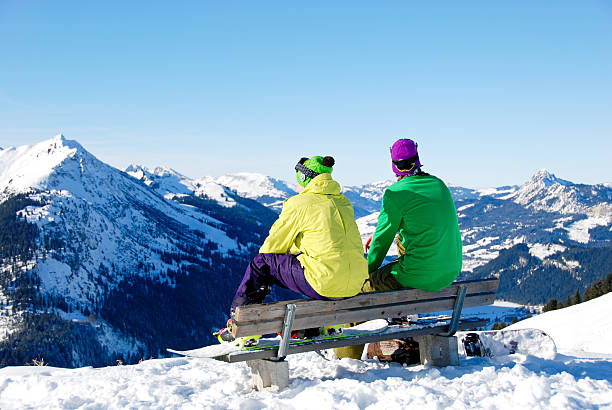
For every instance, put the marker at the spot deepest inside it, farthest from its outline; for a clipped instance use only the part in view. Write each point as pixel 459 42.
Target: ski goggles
pixel 406 165
pixel 306 172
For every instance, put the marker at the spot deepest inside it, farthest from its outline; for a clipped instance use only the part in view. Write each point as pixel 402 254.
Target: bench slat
pixel 271 311
pixel 360 314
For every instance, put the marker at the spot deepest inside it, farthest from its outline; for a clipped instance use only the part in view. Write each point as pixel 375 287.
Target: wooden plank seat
pixel 268 317
pixel 436 342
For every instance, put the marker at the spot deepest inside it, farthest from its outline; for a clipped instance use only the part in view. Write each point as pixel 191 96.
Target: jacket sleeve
pixel 283 233
pixel 388 224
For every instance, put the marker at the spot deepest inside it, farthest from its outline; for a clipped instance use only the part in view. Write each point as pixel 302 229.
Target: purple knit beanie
pixel 404 157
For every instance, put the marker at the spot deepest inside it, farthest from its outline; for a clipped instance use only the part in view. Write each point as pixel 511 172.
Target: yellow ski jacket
pixel 319 226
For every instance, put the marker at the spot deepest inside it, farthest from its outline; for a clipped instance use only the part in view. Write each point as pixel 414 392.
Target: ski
pixel 366 328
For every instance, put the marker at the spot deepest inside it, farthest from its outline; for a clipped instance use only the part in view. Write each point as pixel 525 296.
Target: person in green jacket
pixel 314 247
pixel 419 207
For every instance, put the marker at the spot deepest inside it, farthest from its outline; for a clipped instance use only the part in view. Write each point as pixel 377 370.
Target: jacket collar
pixel 323 184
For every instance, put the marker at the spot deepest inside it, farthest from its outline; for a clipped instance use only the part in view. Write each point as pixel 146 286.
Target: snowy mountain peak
pixel 60 141
pixel 255 184
pixel 547 178
pixel 164 180
pixel 164 171
pixel 269 191
pixel 170 184
pixel 547 192
pixel 137 169
pixel 134 168
pixel 29 166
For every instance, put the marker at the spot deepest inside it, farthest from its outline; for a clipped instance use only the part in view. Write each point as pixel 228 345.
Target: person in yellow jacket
pixel 314 247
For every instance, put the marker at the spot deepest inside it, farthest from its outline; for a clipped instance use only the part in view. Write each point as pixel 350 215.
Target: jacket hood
pixel 323 184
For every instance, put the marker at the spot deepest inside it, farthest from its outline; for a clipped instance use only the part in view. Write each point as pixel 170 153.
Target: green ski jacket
pixel 421 209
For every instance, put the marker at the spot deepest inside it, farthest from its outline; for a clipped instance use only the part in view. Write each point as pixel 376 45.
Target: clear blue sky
pixel 492 91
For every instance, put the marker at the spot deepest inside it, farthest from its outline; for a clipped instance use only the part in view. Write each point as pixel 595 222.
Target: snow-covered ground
pixel 578 330
pixel 580 377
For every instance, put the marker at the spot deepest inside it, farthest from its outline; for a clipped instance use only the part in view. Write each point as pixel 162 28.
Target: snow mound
pixel 579 329
pixel 314 383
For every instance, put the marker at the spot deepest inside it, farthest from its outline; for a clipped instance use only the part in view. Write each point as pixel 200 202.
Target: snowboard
pixel 212 351
pixel 492 343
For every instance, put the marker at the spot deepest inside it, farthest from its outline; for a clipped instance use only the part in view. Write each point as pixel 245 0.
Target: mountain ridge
pixel 102 239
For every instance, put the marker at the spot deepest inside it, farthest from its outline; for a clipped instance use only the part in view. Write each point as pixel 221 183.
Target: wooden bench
pixel 437 345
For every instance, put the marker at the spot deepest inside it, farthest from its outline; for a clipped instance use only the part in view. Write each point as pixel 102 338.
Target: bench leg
pixel 438 350
pixel 269 373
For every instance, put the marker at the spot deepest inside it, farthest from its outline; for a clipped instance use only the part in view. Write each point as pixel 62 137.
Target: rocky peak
pixel 546 178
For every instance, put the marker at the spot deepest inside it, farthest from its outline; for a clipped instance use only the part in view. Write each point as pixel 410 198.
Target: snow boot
pixel 473 345
pixel 225 336
pixel 334 330
pixel 303 333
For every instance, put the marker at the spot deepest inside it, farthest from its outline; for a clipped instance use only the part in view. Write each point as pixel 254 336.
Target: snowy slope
pixel 581 329
pixel 512 382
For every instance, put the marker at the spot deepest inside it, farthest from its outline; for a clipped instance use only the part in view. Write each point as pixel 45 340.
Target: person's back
pixel 314 247
pixel 420 207
pixel 319 226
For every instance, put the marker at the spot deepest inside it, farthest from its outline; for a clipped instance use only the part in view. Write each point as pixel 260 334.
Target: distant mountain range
pixel 111 261
pixel 547 214
pixel 116 264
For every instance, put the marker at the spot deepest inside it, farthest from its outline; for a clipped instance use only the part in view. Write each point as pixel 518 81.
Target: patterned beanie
pixel 308 168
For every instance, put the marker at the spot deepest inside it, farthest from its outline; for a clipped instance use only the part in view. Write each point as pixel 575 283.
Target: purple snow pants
pixel 268 269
